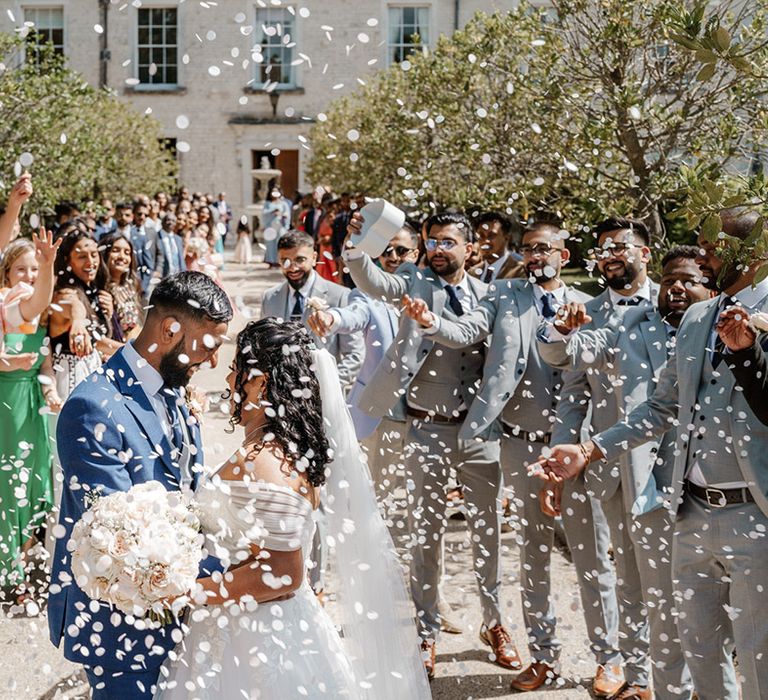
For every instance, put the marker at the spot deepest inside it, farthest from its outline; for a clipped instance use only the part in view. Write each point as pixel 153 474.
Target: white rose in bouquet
pixel 138 550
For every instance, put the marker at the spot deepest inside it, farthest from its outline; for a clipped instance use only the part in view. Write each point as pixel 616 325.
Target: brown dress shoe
pixel 633 692
pixel 428 656
pixel 608 681
pixel 499 640
pixel 533 677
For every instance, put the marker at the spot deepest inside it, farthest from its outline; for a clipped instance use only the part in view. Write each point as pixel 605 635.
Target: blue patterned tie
pixel 170 398
pixel 453 300
pixel 548 306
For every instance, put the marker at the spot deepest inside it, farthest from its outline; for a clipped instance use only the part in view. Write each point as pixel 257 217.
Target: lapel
pixel 138 404
pixel 692 348
pixel 528 317
pixel 281 301
pixel 477 287
pixel 318 289
pixel 655 335
pixel 439 297
pixel 193 426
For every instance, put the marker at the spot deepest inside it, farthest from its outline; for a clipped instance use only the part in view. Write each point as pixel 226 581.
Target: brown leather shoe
pixel 633 692
pixel 608 681
pixel 534 676
pixel 499 640
pixel 428 656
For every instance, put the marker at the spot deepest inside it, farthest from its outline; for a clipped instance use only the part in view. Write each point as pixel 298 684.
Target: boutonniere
pixel 197 403
pixel 317 304
pixel 760 321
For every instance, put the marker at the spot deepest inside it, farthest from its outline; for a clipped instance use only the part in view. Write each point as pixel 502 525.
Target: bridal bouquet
pixel 137 550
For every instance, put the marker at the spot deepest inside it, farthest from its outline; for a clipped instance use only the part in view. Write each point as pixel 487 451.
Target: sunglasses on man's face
pixel 433 244
pixel 400 250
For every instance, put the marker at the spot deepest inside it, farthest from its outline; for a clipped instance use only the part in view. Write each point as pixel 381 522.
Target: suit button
pixel 463 368
pixel 519 371
pixel 410 374
pixel 506 396
pixel 713 381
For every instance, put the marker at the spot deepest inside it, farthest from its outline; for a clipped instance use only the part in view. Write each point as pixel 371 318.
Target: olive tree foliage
pixel 590 110
pixel 79 143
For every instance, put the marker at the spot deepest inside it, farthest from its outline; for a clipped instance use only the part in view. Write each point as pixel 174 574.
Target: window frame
pixel 404 6
pixel 157 87
pixel 294 72
pixel 35 7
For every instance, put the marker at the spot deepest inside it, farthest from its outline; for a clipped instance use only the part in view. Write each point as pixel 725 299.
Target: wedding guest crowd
pixel 471 366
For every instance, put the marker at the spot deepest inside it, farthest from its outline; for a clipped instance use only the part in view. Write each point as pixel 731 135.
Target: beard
pixel 547 273
pixel 623 280
pixel 449 267
pixel 299 283
pixel 175 373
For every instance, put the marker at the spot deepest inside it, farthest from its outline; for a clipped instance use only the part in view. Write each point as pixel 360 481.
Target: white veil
pixel 376 613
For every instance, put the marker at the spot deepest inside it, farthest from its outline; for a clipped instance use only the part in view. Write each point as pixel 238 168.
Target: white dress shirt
pixel 644 293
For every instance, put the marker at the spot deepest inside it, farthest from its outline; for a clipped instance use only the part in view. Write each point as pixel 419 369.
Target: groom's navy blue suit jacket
pixel 109 438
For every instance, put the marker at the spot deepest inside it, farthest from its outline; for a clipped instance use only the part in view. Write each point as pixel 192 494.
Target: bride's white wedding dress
pixel 289 649
pixel 283 649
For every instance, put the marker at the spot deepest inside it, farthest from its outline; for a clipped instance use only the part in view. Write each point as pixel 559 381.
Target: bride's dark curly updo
pixel 283 351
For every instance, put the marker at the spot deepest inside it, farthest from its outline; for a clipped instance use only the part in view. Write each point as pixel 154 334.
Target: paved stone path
pixel 33 669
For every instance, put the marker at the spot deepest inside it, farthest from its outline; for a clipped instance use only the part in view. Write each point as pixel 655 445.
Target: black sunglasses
pixel 400 250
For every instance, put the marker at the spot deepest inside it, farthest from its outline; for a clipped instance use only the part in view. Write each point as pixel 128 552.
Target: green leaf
pixel 710 228
pixel 706 72
pixel 714 191
pixel 761 274
pixel 722 39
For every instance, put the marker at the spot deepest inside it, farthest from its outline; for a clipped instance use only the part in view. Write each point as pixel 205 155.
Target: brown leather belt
pixel 512 431
pixel 429 417
pixel 719 498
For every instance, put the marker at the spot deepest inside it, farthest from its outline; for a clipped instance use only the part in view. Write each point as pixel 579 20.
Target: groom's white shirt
pixel 151 383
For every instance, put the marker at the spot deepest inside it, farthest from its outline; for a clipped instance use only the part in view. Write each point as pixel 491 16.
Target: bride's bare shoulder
pixel 265 462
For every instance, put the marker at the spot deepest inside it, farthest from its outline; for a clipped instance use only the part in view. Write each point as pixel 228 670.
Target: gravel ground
pixel 34 669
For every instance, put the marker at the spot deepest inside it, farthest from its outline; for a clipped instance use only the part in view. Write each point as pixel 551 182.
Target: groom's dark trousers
pixel 109 438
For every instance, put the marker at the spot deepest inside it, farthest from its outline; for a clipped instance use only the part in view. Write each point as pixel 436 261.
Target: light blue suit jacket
pixel 109 438
pixel 379 323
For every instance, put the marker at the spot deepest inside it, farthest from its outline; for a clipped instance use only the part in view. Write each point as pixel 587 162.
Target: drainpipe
pixel 456 4
pixel 104 52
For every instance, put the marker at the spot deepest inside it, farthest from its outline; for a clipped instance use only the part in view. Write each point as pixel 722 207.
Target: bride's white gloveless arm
pixel 283 570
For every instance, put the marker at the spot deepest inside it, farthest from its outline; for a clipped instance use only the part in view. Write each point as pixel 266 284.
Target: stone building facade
pixel 234 82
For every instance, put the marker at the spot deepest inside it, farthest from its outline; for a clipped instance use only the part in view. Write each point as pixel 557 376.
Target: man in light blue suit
pixel 169 257
pixel 630 352
pixel 719 480
pixel 382 437
pixel 125 425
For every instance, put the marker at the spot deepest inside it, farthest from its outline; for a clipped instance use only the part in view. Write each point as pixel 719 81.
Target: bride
pixel 260 632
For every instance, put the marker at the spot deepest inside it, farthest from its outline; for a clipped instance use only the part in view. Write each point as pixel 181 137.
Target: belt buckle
pixel 721 500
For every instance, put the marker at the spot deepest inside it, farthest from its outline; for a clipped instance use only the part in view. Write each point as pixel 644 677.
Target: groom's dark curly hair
pixel 283 351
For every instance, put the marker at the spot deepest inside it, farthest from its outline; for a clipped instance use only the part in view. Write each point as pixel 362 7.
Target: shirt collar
pixel 643 292
pixel 145 374
pixel 463 285
pixel 749 297
pixel 559 293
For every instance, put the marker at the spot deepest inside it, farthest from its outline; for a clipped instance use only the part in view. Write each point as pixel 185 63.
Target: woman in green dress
pixel 27 395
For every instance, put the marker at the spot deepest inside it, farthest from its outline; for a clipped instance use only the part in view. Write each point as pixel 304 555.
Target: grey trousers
pixel 384 450
pixel 720 573
pixel 587 535
pixel 431 450
pixel 652 535
pixel 634 635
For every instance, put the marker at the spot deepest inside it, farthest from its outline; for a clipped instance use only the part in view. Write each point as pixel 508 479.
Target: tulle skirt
pixel 284 649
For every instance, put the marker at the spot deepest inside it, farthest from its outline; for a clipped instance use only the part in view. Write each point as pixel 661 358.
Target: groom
pixel 125 425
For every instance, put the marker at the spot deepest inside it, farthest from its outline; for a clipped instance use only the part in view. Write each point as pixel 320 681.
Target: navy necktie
pixel 631 301
pixel 488 276
pixel 548 306
pixel 720 349
pixel 170 398
pixel 298 310
pixel 453 300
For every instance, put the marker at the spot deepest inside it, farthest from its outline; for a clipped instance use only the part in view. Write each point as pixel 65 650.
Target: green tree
pixel 83 143
pixel 589 112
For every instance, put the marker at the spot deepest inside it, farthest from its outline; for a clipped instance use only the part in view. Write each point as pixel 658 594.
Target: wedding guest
pixel 170 250
pixel 276 221
pixel 631 350
pixel 495 234
pixel 747 356
pixel 117 254
pixel 9 220
pixel 326 261
pixel 124 214
pixel 719 482
pixel 106 222
pixel 520 406
pixel 26 387
pixel 439 385
pixel 243 249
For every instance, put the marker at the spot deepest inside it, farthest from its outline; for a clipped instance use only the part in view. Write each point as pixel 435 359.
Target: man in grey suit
pixel 303 287
pixel 517 399
pixel 622 258
pixel 630 351
pixel 719 498
pixel 291 300
pixel 438 385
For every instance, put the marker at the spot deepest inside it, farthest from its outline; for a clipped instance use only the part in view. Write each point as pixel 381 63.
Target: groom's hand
pixel 320 322
pixel 418 310
pixel 563 462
